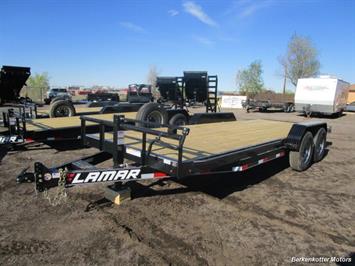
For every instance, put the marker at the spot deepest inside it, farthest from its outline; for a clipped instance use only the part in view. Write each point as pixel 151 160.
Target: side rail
pixel 120 124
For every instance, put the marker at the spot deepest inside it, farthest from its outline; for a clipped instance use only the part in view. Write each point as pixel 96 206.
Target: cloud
pixel 196 11
pixel 251 7
pixel 131 26
pixel 204 41
pixel 247 8
pixel 173 12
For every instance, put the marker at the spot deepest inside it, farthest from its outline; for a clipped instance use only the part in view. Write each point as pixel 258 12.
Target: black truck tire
pixel 320 142
pixel 302 159
pixel 152 112
pixel 61 108
pixel 178 120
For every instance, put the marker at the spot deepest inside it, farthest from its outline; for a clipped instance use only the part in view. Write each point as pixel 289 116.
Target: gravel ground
pixel 264 216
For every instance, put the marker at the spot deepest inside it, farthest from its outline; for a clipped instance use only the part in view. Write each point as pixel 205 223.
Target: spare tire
pixel 152 112
pixel 62 108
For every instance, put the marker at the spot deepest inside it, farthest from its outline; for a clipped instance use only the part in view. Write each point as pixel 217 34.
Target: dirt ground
pixel 265 216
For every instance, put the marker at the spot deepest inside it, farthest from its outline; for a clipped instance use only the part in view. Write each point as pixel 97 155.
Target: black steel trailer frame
pixel 148 165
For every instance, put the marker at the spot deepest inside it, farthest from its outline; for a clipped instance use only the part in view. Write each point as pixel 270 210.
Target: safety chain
pixel 60 195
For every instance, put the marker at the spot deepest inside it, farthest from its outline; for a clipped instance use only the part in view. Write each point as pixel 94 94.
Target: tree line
pixel 299 61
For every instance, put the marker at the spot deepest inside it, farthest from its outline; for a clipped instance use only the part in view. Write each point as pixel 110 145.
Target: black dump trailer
pixel 169 89
pixel 142 152
pixel 12 79
pixel 199 87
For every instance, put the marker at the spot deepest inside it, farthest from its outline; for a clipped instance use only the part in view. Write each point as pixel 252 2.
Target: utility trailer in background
pixel 180 152
pixel 324 95
pixel 269 99
pixel 195 85
pixel 22 130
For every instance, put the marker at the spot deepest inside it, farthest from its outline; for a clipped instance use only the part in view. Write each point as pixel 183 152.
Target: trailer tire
pixel 178 120
pixel 152 112
pixel 320 142
pixel 62 108
pixel 302 159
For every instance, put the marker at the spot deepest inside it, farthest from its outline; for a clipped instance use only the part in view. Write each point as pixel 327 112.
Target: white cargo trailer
pixel 324 95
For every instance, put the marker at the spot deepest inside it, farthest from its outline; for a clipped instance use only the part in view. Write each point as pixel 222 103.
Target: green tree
pixel 300 60
pixel 37 85
pixel 249 81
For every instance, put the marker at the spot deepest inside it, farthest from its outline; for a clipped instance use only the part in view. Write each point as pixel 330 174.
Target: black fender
pixel 298 130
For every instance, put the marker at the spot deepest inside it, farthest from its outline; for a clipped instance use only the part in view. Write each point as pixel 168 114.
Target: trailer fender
pixel 295 136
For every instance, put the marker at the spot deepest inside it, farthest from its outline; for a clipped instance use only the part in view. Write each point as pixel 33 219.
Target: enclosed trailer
pixel 324 95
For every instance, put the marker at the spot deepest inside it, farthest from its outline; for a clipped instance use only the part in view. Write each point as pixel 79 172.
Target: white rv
pixel 325 95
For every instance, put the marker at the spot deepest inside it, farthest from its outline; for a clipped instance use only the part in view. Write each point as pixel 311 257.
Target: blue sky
pixel 89 42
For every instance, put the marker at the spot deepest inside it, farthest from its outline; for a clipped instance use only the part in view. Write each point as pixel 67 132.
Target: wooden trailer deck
pixel 214 138
pixel 43 124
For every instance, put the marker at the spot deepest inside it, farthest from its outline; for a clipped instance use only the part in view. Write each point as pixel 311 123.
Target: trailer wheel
pixel 62 108
pixel 152 112
pixel 178 120
pixel 285 108
pixel 320 141
pixel 300 160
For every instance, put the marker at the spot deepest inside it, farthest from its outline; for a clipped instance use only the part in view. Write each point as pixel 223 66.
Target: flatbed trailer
pixel 180 152
pixel 269 99
pixel 21 128
pixel 52 129
pixel 263 106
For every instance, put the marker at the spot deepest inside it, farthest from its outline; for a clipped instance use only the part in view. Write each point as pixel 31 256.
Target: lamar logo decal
pixel 10 139
pixel 105 176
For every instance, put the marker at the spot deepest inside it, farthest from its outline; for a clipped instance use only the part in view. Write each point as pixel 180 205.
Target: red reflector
pixel 159 174
pixel 29 140
pixel 244 167
pixel 70 177
pixel 282 153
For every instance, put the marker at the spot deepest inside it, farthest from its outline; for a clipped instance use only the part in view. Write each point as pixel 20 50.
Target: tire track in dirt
pixel 171 249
